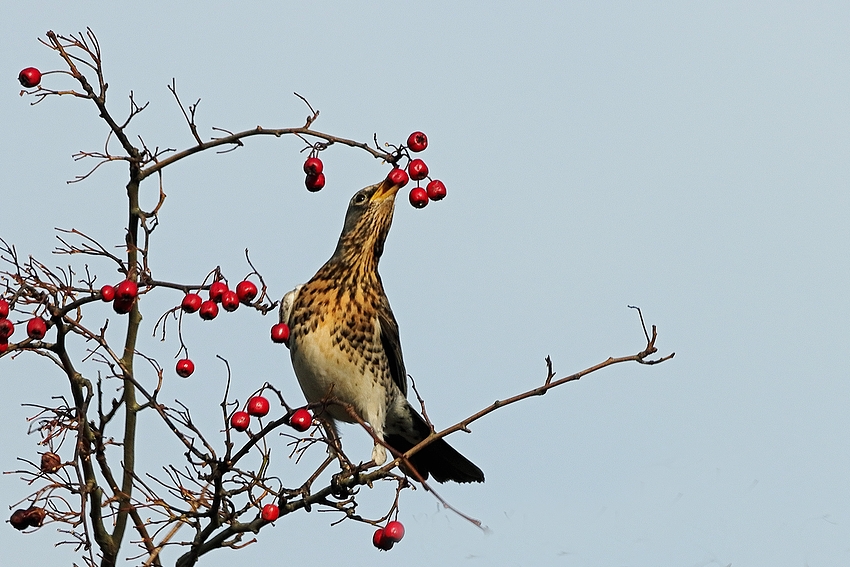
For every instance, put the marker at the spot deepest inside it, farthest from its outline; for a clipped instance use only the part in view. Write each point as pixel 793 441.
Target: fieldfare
pixel 344 342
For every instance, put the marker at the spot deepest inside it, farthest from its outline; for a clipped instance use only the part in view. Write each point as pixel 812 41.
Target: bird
pixel 344 343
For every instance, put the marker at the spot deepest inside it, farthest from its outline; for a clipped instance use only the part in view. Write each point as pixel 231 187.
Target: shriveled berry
pixel 280 333
pixel 185 367
pixel 217 290
pixel 35 516
pixel 29 77
pixel 126 290
pixel 6 329
pixel 313 166
pixel 123 306
pixel 436 190
pixel 4 308
pixel 270 512
pixel 229 300
pixel 258 406
pixel 240 421
pixel 209 310
pixel 301 420
pixel 398 176
pixel 36 328
pixel 50 462
pixel 246 291
pixel 381 541
pixel 417 141
pixel 418 197
pixel 417 169
pixel 19 519
pixel 191 302
pixel 394 531
pixel 107 293
pixel 315 182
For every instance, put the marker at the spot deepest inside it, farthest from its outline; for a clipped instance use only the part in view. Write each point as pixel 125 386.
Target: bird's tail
pixel 439 459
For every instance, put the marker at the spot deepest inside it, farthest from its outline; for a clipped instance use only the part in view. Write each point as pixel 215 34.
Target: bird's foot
pixel 379 454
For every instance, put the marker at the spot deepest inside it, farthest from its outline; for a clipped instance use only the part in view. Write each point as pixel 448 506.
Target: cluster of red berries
pixel 29 77
pixel 36 327
pixel 384 538
pixel 121 296
pixel 258 406
pixel 245 292
pixel 315 179
pixel 6 326
pixel 417 170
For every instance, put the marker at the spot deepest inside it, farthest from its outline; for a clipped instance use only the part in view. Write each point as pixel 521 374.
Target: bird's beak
pixel 386 190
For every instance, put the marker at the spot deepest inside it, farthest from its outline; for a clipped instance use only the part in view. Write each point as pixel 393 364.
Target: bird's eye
pixel 359 199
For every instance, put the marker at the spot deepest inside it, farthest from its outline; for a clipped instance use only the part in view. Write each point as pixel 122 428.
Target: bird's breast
pixel 335 354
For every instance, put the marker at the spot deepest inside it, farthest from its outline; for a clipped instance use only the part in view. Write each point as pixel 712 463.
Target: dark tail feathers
pixel 439 459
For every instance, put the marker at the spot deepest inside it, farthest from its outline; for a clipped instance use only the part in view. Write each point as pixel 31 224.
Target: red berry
pixel 36 328
pixel 6 329
pixel 217 289
pixel 185 367
pixel 394 531
pixel 4 345
pixel 209 310
pixel 436 190
pixel 229 300
pixel 107 293
pixel 417 142
pixel 4 308
pixel 301 420
pixel 418 197
pixel 270 512
pixel 123 306
pixel 315 182
pixel 240 421
pixel 191 302
pixel 126 290
pixel 29 77
pixel 246 291
pixel 381 541
pixel 417 170
pixel 313 166
pixel 280 333
pixel 258 406
pixel 398 177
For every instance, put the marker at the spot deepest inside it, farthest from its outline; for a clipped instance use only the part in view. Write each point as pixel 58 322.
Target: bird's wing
pixel 392 346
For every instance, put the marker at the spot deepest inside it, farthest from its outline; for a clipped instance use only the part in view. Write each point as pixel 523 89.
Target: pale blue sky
pixel 688 158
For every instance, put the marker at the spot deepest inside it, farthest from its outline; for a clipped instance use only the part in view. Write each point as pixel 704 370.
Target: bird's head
pixel 367 222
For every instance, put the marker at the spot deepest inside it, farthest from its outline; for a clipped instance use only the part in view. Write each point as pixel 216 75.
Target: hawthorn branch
pixel 235 138
pixel 59 44
pixel 641 357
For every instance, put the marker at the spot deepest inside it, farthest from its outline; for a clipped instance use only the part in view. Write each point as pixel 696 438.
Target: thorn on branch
pixel 314 114
pixel 550 372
